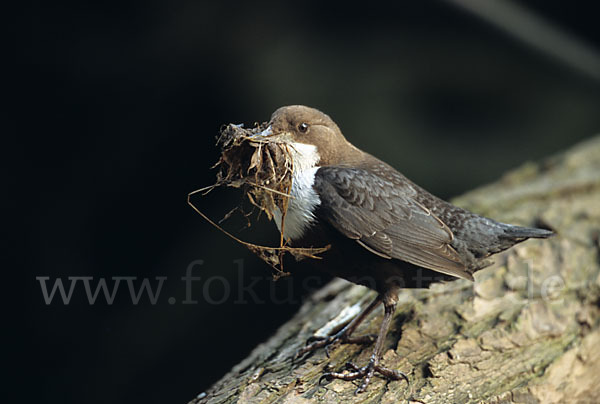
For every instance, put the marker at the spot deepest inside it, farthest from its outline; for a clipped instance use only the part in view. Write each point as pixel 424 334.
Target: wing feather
pixel 383 217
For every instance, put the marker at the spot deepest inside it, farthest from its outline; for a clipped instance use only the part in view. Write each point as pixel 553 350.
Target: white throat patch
pixel 304 200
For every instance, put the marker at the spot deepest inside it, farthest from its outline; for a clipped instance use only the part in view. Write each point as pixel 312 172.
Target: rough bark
pixel 527 331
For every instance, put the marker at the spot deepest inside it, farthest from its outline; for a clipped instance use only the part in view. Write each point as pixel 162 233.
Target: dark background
pixel 114 112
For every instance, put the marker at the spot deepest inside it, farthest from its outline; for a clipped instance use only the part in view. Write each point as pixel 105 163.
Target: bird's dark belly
pixel 349 260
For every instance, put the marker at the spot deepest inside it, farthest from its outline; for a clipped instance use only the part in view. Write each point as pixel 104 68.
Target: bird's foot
pixel 329 342
pixel 365 373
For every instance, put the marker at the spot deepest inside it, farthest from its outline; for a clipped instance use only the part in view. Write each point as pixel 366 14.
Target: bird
pixel 385 231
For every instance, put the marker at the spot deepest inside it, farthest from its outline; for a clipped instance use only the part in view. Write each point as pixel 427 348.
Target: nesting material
pixel 263 168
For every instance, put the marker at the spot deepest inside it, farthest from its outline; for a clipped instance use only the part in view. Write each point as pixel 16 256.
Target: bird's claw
pixel 365 373
pixel 315 343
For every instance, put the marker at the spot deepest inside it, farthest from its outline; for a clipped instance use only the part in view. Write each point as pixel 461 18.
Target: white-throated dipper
pixel 385 231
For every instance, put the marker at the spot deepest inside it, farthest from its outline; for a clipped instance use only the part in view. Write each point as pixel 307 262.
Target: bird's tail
pixel 519 232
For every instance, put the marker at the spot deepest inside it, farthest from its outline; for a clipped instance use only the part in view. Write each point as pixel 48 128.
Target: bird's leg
pixel 344 335
pixel 366 372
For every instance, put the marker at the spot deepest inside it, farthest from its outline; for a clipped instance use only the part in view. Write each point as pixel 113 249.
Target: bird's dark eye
pixel 303 127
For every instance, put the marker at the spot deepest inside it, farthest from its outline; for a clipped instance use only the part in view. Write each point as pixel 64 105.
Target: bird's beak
pixel 269 135
pixel 264 133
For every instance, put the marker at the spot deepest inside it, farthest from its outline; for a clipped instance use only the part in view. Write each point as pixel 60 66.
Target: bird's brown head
pixel 301 125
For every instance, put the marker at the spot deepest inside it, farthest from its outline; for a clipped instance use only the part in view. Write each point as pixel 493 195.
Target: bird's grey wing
pixel 384 218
